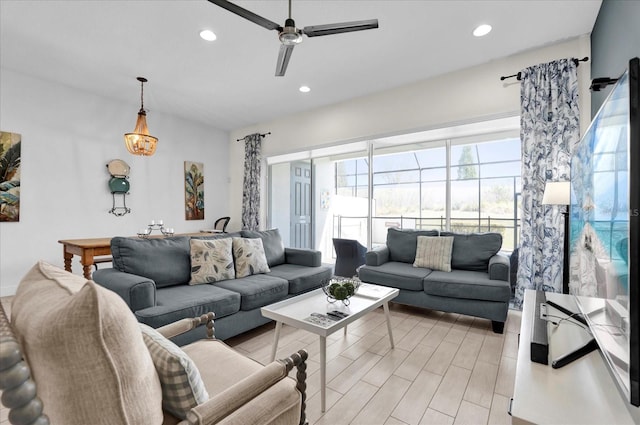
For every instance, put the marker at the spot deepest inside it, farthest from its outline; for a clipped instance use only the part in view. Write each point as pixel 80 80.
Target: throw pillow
pixel 434 252
pixel 182 386
pixel 211 261
pixel 249 257
pixel 85 351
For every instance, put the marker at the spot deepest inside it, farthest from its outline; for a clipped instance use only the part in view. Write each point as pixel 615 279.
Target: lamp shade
pixel 140 142
pixel 557 193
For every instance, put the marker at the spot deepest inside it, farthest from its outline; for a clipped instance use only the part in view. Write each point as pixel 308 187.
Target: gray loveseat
pixel 152 276
pixel 478 284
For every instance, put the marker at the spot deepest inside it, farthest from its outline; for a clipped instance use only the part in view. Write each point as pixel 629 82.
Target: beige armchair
pixel 91 362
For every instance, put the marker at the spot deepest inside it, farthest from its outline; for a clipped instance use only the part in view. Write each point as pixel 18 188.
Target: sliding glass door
pixel 469 183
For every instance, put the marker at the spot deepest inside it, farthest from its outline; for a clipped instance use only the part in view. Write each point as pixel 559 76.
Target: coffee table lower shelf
pixel 295 312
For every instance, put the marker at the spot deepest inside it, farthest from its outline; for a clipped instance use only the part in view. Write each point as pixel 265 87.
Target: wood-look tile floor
pixel 445 368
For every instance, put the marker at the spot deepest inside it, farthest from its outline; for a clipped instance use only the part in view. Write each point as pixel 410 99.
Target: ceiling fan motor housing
pixel 289 34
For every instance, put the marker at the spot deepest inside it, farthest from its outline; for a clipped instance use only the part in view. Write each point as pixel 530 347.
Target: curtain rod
pixel 261 135
pixel 519 74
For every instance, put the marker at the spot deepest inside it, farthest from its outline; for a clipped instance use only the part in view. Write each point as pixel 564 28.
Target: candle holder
pixel 155 225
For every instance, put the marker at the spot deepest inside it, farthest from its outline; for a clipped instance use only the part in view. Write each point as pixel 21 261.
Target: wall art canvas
pixel 10 176
pixel 194 190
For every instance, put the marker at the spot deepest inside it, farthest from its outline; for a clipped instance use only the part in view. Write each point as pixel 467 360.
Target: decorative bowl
pixel 340 289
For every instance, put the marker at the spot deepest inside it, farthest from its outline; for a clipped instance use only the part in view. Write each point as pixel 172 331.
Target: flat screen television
pixel 605 230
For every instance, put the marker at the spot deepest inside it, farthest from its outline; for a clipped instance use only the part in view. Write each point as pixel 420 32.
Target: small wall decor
pixel 119 185
pixel 325 196
pixel 194 190
pixel 10 176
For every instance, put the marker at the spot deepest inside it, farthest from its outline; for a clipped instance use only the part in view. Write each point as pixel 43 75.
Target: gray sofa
pixel 478 284
pixel 152 277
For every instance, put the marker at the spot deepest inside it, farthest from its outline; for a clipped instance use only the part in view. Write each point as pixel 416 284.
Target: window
pixel 476 190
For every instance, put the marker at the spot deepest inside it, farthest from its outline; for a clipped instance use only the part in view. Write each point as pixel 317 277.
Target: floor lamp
pixel 559 193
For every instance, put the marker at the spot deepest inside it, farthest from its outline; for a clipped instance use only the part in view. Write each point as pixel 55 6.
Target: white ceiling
pixel 101 46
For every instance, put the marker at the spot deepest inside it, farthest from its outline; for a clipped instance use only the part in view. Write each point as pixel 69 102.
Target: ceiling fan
pixel 289 35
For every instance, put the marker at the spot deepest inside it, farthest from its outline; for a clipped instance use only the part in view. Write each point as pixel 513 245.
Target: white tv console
pixel 582 392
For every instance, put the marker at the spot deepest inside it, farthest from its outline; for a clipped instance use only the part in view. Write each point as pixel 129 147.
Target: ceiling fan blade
pixel 283 59
pixel 257 19
pixel 318 30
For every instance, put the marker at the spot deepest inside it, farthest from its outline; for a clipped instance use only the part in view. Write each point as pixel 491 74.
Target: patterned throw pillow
pixel 182 386
pixel 434 252
pixel 211 261
pixel 249 256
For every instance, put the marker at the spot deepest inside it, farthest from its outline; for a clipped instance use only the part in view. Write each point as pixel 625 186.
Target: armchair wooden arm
pixel 19 390
pixel 222 405
pixel 184 325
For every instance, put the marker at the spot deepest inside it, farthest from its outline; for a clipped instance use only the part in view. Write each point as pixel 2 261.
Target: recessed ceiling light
pixel 207 35
pixel 481 30
pixel 305 89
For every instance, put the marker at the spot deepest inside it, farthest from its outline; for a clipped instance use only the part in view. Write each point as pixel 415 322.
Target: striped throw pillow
pixel 434 252
pixel 182 386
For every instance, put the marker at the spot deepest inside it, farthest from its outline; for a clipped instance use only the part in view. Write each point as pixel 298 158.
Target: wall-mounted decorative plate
pixel 118 185
pixel 118 168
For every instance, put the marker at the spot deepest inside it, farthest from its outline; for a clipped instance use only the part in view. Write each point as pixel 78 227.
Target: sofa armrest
pixel 377 256
pixel 499 267
pixel 185 325
pixel 303 257
pixel 222 405
pixel 137 291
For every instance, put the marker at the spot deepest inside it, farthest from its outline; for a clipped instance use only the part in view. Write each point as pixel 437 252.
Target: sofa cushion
pixel 468 285
pixel 211 261
pixel 257 290
pixel 164 260
pixel 231 367
pixel 434 252
pixel 272 243
pixel 182 386
pixel 301 278
pixel 85 351
pixel 177 302
pixel 473 251
pixel 396 274
pixel 249 257
pixel 402 243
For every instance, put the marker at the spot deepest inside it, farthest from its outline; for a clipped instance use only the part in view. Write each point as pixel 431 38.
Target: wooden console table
pixel 89 249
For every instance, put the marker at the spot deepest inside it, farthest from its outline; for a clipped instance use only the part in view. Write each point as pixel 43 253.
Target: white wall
pixel 68 136
pixel 323 175
pixel 281 199
pixel 464 96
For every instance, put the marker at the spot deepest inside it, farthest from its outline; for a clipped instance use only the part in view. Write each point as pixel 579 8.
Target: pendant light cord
pixel 142 96
pixel 142 81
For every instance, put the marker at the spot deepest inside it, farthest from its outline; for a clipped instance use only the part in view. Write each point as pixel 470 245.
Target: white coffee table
pixel 294 311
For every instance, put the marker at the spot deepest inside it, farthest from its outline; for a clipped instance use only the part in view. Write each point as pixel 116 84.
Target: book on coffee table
pixel 373 291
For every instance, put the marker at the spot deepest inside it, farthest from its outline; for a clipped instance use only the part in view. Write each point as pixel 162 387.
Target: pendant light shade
pixel 140 142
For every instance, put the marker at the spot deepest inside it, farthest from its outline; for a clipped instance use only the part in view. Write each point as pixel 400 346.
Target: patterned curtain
pixel 251 186
pixel 549 129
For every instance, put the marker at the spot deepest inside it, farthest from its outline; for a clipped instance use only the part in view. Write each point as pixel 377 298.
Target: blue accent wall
pixel 614 40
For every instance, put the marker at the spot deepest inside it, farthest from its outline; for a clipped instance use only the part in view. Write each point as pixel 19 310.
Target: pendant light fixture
pixel 140 142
